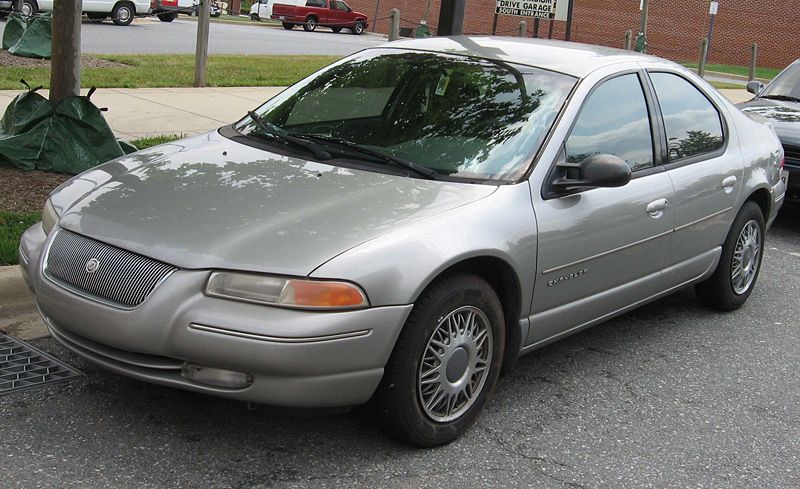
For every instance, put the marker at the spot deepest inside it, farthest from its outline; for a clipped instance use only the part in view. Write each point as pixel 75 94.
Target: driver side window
pixel 614 120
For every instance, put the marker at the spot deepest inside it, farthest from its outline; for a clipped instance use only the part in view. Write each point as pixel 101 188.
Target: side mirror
pixel 594 171
pixel 755 87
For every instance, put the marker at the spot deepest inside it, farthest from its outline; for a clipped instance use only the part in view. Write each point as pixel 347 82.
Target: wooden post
pixel 570 10
pixel 536 27
pixel 628 40
pixel 394 24
pixel 65 63
pixel 523 28
pixel 751 74
pixel 550 30
pixel 701 66
pixel 201 48
pixel 494 25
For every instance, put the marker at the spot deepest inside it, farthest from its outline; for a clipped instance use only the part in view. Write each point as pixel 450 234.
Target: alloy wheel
pixel 746 257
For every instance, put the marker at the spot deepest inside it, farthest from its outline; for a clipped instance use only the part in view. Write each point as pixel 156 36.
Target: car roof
pixel 571 58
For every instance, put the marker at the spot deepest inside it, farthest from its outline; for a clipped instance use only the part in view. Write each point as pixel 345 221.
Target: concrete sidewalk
pixel 140 112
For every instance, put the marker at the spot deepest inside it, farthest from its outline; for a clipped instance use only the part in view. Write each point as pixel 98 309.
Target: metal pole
pixel 536 27
pixel 394 24
pixel 523 28
pixel 645 15
pixel 377 11
pixel 628 39
pixel 451 18
pixel 550 30
pixel 494 25
pixel 65 63
pixel 701 66
pixel 568 34
pixel 201 53
pixel 751 74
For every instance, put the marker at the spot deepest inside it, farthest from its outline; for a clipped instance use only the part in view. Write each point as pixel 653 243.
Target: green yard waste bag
pixel 70 136
pixel 16 23
pixel 36 40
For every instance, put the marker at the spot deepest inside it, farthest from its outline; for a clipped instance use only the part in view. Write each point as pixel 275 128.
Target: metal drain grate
pixel 23 366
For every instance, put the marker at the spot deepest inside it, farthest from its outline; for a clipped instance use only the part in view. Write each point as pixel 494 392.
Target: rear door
pixel 602 249
pixel 706 169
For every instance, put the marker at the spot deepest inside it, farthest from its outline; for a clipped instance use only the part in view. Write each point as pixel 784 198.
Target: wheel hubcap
pixel 746 258
pixel 124 14
pixel 27 11
pixel 455 364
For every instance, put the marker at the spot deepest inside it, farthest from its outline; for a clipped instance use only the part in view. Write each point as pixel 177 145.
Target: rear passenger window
pixel 692 122
pixel 315 3
pixel 614 120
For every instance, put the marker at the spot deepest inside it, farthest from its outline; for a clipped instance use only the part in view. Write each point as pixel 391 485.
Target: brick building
pixel 675 29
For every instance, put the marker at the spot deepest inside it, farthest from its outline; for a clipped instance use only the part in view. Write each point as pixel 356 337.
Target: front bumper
pixel 793 185
pixel 296 358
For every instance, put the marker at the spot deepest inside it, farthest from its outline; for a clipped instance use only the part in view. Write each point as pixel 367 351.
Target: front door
pixel 603 249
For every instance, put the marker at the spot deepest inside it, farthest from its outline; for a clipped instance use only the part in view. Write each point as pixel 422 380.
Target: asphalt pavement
pixel 150 36
pixel 670 395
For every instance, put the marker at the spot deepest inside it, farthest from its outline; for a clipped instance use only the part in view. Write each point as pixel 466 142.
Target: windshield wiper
pixel 788 98
pixel 279 133
pixel 409 165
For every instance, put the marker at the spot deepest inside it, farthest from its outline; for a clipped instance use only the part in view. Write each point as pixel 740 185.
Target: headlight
pixel 286 292
pixel 49 217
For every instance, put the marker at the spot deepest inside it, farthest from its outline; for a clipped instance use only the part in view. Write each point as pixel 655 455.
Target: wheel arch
pixel 502 277
pixel 762 197
pixel 123 2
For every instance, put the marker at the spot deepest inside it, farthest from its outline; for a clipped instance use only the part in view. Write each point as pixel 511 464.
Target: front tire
pixel 736 274
pixel 310 24
pixel 123 13
pixel 358 28
pixel 445 364
pixel 29 8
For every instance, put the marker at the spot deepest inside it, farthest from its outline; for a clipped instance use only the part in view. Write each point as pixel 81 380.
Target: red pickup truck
pixel 328 13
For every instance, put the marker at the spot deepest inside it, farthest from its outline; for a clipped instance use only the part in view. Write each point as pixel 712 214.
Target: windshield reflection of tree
pixel 448 114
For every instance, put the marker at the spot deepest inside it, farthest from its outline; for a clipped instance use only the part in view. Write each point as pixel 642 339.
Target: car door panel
pixel 706 169
pixel 602 249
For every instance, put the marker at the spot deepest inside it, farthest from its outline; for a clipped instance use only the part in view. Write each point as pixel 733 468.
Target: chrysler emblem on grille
pixel 92 265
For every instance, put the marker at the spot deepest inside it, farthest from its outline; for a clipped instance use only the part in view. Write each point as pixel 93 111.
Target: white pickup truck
pixel 121 12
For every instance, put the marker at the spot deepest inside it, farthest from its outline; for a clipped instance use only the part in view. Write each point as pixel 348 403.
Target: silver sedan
pixel 399 227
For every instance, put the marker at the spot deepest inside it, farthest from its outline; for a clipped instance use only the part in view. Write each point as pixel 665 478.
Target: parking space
pixel 671 395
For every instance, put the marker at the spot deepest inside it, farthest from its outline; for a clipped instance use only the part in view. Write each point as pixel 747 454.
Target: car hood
pixel 784 116
pixel 209 202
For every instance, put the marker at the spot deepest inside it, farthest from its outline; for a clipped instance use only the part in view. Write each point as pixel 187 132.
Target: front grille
pixel 120 277
pixel 792 155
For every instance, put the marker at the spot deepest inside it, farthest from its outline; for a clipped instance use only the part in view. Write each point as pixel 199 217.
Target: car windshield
pixel 787 84
pixel 460 117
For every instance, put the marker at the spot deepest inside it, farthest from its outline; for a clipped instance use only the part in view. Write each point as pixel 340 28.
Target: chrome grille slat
pixel 123 278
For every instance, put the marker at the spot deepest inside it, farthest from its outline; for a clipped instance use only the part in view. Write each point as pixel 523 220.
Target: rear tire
pixel 123 13
pixel 287 26
pixel 29 8
pixel 96 16
pixel 737 272
pixel 167 16
pixel 310 24
pixel 336 29
pixel 358 28
pixel 255 17
pixel 445 364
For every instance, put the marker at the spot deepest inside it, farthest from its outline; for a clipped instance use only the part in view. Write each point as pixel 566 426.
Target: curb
pixel 19 316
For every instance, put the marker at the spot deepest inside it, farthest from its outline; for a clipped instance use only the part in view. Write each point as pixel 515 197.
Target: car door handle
pixel 656 207
pixel 729 182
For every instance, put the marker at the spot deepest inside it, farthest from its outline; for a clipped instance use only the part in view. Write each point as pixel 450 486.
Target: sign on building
pixel 540 9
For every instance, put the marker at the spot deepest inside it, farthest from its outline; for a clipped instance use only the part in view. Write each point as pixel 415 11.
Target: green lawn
pixel 767 73
pixel 722 85
pixel 144 143
pixel 178 71
pixel 12 225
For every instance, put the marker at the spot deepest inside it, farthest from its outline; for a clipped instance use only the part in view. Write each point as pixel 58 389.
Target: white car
pixel 262 9
pixel 121 12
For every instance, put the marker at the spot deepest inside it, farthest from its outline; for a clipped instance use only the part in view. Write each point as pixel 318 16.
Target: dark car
pixel 779 101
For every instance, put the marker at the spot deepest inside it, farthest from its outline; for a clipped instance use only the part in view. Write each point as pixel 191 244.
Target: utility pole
pixel 65 63
pixel 451 18
pixel 712 10
pixel 201 50
pixel 641 38
pixel 570 10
